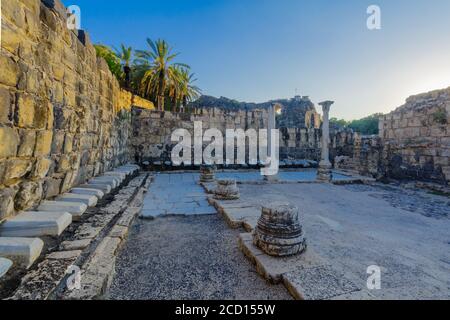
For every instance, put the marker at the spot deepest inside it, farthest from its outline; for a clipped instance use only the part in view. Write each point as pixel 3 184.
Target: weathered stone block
pixel 28 195
pixel 25 113
pixel 16 168
pixel 43 143
pixel 5 106
pixel 41 168
pixel 36 224
pixel 27 143
pixel 9 142
pixel 9 72
pixel 7 202
pixel 22 251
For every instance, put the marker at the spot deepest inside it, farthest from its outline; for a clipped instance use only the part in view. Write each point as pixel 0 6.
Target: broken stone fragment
pixel 226 190
pixel 207 173
pixel 279 232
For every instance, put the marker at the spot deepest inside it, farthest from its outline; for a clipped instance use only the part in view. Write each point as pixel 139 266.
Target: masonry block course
pixel 60 107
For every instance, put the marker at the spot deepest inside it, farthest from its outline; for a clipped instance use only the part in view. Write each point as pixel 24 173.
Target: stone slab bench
pixel 92 192
pixel 36 224
pixel 113 181
pixel 117 174
pixel 5 265
pixel 23 252
pixel 76 209
pixel 89 200
pixel 105 188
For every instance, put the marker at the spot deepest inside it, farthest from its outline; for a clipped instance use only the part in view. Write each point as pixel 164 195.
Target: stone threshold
pixel 93 237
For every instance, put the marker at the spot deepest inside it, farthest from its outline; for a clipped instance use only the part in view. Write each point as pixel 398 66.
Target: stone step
pixel 121 175
pixel 23 252
pixel 114 182
pixel 36 224
pixel 89 200
pixel 5 265
pixel 105 188
pixel 92 192
pixel 76 209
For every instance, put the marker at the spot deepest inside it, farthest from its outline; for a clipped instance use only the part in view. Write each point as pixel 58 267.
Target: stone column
pixel 324 173
pixel 272 125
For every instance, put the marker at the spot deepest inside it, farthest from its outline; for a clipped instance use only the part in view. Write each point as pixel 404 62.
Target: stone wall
pixel 416 138
pixel 58 104
pixel 152 130
pixel 414 142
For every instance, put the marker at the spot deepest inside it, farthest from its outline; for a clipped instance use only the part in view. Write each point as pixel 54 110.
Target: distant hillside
pixel 230 104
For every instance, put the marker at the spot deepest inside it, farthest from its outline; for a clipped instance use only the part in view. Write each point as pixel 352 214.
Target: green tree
pixel 160 70
pixel 111 59
pixel 125 55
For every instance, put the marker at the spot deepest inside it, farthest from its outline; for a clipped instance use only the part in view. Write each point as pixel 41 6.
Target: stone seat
pixel 114 182
pixel 5 265
pixel 23 252
pixel 93 192
pixel 105 188
pixel 36 224
pixel 76 209
pixel 89 200
pixel 121 175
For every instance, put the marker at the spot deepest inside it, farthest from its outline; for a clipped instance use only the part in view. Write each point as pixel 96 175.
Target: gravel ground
pixel 193 257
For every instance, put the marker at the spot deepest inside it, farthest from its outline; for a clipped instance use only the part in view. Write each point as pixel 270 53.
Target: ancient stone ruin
pixel 207 173
pixel 279 232
pixel 226 190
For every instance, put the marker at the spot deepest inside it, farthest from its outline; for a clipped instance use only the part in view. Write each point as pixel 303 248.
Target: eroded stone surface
pixel 22 251
pixel 95 192
pixel 76 209
pixel 279 232
pixel 207 173
pixel 89 200
pixel 226 190
pixel 36 224
pixel 5 265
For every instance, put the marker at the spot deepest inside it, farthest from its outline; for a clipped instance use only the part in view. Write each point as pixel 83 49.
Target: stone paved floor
pixel 301 175
pixel 176 194
pixel 405 232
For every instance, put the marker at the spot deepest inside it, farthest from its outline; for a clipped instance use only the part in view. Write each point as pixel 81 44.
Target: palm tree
pixel 125 55
pixel 161 70
pixel 188 91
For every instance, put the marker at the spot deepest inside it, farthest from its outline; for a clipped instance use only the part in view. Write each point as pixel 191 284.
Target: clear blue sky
pixel 257 50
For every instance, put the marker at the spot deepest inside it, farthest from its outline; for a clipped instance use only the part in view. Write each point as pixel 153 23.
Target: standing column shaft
pixel 324 172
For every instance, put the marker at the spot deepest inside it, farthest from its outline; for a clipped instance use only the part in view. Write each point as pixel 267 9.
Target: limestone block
pixel 9 142
pixel 27 143
pixel 93 192
pixel 36 224
pixel 7 196
pixel 28 195
pixel 5 106
pixel 5 265
pixel 25 111
pixel 105 188
pixel 75 209
pixel 89 200
pixel 43 143
pixel 9 72
pixel 114 182
pixel 22 251
pixel 16 168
